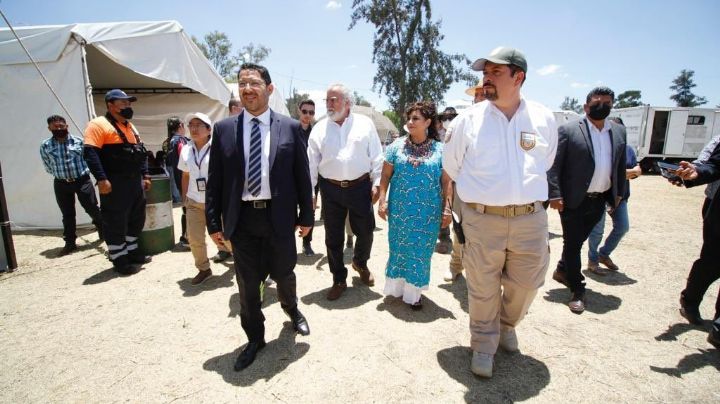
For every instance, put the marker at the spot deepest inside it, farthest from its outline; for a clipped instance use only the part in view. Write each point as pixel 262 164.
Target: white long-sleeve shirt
pixel 498 162
pixel 345 152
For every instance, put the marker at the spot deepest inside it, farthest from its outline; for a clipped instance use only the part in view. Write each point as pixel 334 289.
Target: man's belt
pixel 349 183
pixel 71 180
pixel 506 211
pixel 595 195
pixel 259 204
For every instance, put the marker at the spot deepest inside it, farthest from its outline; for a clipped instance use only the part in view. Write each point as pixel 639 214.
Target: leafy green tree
pixel 571 104
pixel 406 49
pixel 217 47
pixel 682 86
pixel 293 103
pixel 360 100
pixel 395 119
pixel 627 99
pixel 252 53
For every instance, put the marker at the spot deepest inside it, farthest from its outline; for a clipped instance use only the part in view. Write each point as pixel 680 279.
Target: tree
pixel 216 47
pixel 395 119
pixel 627 99
pixel 360 100
pixel 571 104
pixel 252 54
pixel 406 49
pixel 293 102
pixel 682 86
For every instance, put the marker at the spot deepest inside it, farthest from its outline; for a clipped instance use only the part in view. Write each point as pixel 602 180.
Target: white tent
pixel 155 61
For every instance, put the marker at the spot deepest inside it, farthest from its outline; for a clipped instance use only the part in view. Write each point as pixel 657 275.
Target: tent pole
pixel 86 81
pixel 57 97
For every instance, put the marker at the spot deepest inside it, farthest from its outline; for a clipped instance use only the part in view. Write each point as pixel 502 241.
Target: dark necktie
pixel 254 167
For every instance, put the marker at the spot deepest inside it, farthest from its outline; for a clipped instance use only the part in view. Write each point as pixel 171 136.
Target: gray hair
pixel 347 94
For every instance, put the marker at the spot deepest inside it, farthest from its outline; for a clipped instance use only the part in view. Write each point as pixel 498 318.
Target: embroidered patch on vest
pixel 527 140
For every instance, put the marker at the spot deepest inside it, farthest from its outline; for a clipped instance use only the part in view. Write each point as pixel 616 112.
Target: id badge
pixel 200 184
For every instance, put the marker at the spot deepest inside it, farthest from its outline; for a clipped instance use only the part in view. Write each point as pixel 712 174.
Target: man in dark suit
pixel 706 269
pixel 588 173
pixel 257 178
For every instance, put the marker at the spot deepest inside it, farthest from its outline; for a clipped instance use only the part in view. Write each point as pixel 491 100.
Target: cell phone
pixel 667 170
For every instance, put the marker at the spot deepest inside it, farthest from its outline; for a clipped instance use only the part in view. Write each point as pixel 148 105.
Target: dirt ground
pixel 74 331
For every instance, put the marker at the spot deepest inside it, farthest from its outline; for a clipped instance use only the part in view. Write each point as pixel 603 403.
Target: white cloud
pixel 548 70
pixel 579 85
pixel 333 5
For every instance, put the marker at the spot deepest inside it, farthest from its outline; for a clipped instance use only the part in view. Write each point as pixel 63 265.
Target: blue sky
pixel 571 46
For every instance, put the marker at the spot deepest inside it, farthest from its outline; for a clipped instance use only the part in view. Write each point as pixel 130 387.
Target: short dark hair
pixel 55 118
pixel 306 102
pixel 234 102
pixel 173 124
pixel 428 111
pixel 600 91
pixel 264 73
pixel 618 120
pixel 514 69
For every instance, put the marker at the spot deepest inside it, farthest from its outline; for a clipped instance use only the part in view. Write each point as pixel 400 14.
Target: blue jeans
pixel 621 225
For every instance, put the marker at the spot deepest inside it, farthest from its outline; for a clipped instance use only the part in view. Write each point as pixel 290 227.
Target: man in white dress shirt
pixel 497 154
pixel 346 159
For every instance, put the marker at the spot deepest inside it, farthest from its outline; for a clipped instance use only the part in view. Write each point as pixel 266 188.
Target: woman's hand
pixel 383 210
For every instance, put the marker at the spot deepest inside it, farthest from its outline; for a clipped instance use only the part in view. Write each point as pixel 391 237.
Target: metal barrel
pixel 158 234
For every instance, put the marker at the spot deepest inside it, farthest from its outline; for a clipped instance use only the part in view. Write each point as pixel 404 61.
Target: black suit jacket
pixel 290 185
pixel 707 173
pixel 570 175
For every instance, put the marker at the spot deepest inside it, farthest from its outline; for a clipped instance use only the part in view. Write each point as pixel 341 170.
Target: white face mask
pixel 446 124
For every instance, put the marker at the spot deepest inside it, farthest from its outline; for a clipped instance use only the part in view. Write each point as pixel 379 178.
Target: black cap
pixel 117 94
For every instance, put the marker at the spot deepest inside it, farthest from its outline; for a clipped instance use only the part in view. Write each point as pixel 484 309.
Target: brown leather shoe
pixel 336 291
pixel 595 268
pixel 577 303
pixel 560 277
pixel 365 275
pixel 608 263
pixel 201 277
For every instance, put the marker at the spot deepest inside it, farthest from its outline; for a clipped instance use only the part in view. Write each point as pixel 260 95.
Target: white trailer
pixel 668 133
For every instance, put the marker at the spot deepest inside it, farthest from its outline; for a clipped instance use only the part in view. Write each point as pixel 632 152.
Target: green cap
pixel 502 56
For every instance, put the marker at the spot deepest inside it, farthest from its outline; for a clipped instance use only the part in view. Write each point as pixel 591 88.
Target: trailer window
pixel 696 120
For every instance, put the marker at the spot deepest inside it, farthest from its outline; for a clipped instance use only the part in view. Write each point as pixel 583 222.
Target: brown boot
pixel 365 275
pixel 336 291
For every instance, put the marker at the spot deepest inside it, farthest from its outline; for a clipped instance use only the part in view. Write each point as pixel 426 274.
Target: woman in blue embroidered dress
pixel 413 172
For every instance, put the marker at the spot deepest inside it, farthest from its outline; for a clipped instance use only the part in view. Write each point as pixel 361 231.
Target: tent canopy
pixel 156 61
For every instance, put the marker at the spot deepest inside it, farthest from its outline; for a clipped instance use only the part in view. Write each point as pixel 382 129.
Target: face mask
pixel 126 113
pixel 59 132
pixel 599 111
pixel 445 124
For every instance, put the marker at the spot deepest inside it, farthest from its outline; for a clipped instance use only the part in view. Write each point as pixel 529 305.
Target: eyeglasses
pixel 332 100
pixel 255 85
pixel 307 112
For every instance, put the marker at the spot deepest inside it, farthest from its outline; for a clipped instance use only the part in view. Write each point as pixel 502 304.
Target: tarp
pixel 156 61
pixel 385 127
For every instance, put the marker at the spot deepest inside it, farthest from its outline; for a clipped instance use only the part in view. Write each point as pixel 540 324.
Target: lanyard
pixel 202 156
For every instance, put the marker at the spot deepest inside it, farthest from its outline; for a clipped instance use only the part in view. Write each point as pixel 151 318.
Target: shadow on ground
pixel 692 362
pixel 458 288
pixel 430 310
pixel 595 302
pixel 356 295
pixel 612 278
pixel 224 280
pixel 516 377
pixel 271 360
pixel 677 329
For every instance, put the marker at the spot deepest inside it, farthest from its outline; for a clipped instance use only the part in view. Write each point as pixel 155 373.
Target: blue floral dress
pixel 414 215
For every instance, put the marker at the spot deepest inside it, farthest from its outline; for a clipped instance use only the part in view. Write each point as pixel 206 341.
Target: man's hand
pixel 218 239
pixel 375 194
pixel 104 187
pixel 303 230
pixel 686 171
pixel 147 184
pixel 557 204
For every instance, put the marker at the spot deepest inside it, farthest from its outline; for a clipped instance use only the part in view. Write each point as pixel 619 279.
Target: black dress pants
pixel 259 252
pixel 577 224
pixel 338 203
pixel 65 193
pixel 706 269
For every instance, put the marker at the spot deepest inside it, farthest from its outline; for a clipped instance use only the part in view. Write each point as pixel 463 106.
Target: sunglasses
pixel 307 112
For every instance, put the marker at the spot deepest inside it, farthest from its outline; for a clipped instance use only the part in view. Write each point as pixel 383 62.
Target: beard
pixel 335 115
pixel 490 92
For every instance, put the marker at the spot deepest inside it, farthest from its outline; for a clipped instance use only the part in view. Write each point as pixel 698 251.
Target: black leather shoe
pixel 221 256
pixel 714 335
pixel 691 314
pixel 307 250
pixel 299 321
pixel 247 356
pixel 67 249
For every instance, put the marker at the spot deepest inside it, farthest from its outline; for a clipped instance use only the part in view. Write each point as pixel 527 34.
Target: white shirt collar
pixel 264 118
pixel 493 109
pixel 605 128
